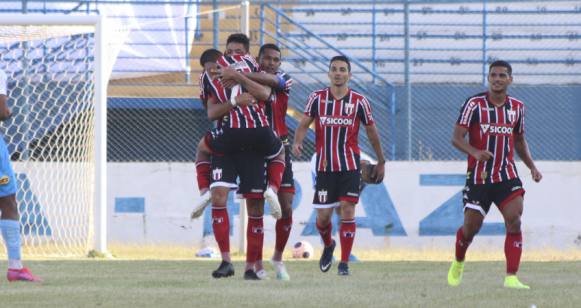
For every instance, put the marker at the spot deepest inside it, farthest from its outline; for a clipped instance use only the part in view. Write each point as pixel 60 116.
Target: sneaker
pixel 455 273
pixel 262 274
pixel 21 275
pixel 273 204
pixel 201 205
pixel 226 269
pixel 281 273
pixel 343 269
pixel 250 275
pixel 512 282
pixel 327 257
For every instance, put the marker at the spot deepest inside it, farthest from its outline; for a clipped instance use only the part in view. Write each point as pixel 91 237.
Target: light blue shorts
pixel 7 179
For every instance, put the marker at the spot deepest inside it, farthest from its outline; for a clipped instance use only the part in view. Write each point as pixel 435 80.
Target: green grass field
pixel 111 283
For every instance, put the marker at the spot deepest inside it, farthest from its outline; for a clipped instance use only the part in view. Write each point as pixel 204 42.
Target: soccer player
pixel 338 111
pixel 269 59
pixel 9 221
pixel 245 128
pixel 494 123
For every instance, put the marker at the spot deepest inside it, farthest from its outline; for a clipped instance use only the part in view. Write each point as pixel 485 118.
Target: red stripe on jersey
pixel 335 163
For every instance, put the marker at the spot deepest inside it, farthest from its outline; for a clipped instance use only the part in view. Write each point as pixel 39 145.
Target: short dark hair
pixel 500 63
pixel 267 46
pixel 210 55
pixel 239 38
pixel 341 58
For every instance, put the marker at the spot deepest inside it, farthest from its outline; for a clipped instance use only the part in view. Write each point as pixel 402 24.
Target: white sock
pixel 15 264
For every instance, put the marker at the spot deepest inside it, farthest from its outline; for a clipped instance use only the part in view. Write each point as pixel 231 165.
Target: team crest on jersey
pixel 349 108
pixel 217 174
pixel 511 115
pixel 4 180
pixel 322 196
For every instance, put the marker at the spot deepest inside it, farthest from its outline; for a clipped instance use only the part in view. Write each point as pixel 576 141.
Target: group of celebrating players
pixel 248 99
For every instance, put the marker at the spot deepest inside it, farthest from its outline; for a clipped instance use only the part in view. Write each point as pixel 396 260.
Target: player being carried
pixel 338 111
pixel 494 123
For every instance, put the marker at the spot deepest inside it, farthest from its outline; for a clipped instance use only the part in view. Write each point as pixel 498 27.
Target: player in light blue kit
pixel 9 220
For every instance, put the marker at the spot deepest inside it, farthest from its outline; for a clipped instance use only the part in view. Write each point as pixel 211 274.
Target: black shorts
pixel 332 187
pixel 480 196
pixel 233 140
pixel 223 173
pixel 288 183
pixel 251 168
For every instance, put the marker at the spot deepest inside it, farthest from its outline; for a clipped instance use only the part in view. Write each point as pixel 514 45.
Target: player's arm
pixel 300 134
pixel 522 149
pixel 216 110
pixel 378 172
pixel 4 110
pixel 269 80
pixel 260 92
pixel 459 142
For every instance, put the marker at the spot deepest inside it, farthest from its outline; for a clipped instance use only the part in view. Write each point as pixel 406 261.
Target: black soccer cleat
pixel 250 275
pixel 226 269
pixel 327 258
pixel 343 269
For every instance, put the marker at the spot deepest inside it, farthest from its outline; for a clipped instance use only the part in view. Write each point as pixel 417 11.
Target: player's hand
pixel 378 173
pixel 482 155
pixel 228 73
pixel 297 149
pixel 228 83
pixel 536 174
pixel 245 99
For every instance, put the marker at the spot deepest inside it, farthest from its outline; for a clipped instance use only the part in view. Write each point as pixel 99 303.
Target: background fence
pixel 417 61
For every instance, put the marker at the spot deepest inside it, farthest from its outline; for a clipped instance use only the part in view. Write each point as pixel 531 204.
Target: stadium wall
pixel 417 208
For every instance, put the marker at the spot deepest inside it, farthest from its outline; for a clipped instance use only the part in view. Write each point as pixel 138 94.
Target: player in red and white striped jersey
pixel 495 125
pixel 338 112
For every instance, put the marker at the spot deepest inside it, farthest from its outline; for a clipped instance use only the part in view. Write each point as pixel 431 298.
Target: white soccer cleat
pixel 262 274
pixel 201 205
pixel 273 204
pixel 281 273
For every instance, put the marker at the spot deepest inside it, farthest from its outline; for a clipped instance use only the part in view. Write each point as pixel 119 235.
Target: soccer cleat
pixel 262 274
pixel 273 203
pixel 281 273
pixel 512 282
pixel 455 273
pixel 250 275
pixel 343 269
pixel 201 205
pixel 21 275
pixel 327 257
pixel 226 269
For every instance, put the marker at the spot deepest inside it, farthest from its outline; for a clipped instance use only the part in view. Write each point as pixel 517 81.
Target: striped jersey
pixel 337 127
pixel 278 105
pixel 240 116
pixel 492 128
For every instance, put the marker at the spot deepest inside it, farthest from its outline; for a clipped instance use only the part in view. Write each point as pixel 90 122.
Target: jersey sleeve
pixel 467 113
pixel 311 109
pixel 364 111
pixel 3 83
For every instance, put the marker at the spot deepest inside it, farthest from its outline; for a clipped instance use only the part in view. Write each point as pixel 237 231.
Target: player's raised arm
pixel 459 142
pixel 300 134
pixel 379 171
pixel 522 149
